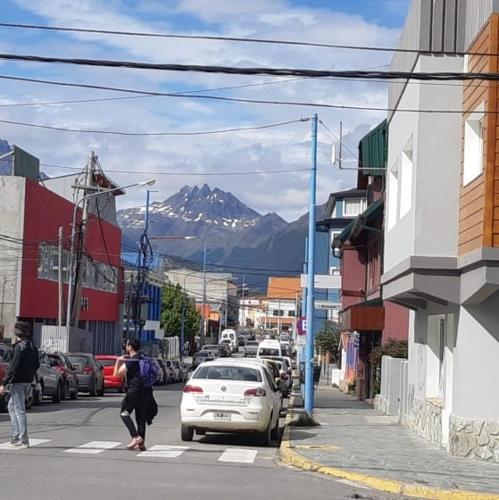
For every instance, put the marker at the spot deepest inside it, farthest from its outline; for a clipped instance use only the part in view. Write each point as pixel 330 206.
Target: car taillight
pixel 193 389
pixel 88 370
pixel 256 392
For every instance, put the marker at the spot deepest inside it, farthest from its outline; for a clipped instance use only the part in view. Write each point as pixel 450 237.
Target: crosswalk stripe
pixel 94 447
pixel 238 455
pixel 163 451
pixel 32 442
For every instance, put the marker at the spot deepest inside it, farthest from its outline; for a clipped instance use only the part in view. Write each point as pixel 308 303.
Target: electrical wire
pixel 232 70
pixel 246 40
pixel 188 174
pixel 243 100
pixel 151 134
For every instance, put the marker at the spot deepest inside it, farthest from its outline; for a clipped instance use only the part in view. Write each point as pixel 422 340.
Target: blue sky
pixel 363 22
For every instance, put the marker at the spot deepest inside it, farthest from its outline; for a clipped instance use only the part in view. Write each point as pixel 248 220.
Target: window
pixel 406 168
pixel 393 195
pixel 291 314
pixel 354 206
pixel 473 145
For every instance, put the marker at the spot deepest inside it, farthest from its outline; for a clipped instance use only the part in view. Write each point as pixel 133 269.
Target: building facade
pixel 441 232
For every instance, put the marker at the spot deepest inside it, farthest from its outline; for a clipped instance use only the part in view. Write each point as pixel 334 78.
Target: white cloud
pixel 280 148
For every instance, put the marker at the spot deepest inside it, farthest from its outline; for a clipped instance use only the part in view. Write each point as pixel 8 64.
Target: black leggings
pixel 140 418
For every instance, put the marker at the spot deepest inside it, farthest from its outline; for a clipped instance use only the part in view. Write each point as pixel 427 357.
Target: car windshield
pixel 268 351
pixel 203 354
pixel 240 373
pixel 251 343
pixel 79 360
pixel 107 362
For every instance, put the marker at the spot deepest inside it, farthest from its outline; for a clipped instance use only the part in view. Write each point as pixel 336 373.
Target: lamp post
pixel 149 182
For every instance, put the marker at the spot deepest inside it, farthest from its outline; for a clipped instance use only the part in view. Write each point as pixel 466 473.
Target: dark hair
pixel 22 329
pixel 134 344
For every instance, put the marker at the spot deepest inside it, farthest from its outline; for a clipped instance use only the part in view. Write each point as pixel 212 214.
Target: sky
pixel 194 159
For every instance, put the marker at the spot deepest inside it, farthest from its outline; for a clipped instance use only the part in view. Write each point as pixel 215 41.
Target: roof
pixel 333 223
pixel 284 287
pixel 349 193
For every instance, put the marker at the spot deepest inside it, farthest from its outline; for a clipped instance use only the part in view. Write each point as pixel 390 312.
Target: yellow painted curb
pixel 290 457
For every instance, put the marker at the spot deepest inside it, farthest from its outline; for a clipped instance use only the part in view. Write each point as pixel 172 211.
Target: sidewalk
pixel 358 443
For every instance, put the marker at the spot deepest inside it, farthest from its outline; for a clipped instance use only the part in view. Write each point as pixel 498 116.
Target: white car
pixel 231 396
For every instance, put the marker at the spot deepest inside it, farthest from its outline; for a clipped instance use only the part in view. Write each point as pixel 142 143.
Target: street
pixel 78 453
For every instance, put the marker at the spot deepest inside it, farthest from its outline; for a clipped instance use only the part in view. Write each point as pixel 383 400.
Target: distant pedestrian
pixel 23 365
pixel 139 396
pixel 187 348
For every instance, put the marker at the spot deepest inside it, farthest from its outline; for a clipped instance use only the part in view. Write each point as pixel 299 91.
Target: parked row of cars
pixel 236 395
pixel 63 376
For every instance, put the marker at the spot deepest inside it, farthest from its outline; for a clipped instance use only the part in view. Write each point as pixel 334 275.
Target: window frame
pixel 474 145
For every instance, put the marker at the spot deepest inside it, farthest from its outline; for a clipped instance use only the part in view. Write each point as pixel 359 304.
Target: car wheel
pixel 74 394
pixel 275 430
pixel 186 433
pixel 266 435
pixel 93 391
pixel 38 395
pixel 64 392
pixel 58 394
pixel 3 405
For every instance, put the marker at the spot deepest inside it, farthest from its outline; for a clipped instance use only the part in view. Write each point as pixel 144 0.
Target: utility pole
pixel 74 282
pixel 59 276
pixel 4 280
pixel 243 315
pixel 309 348
pixel 279 317
pixel 203 320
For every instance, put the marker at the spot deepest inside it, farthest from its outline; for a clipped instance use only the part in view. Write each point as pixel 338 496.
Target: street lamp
pixel 148 182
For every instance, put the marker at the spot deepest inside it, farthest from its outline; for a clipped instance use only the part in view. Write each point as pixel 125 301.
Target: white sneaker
pixel 13 444
pixel 21 446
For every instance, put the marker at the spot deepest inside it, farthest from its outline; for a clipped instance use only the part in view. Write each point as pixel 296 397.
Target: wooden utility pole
pixel 59 277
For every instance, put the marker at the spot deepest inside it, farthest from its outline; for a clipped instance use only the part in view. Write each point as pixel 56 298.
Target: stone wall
pixel 426 419
pixel 474 438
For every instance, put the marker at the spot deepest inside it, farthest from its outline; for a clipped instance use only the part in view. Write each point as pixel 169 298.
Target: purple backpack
pixel 149 371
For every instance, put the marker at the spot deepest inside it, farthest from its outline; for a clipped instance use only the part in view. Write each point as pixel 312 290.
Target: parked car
pixel 250 348
pixel 180 368
pixel 224 350
pixel 50 381
pixel 202 357
pixel 241 340
pixel 69 378
pixel 89 371
pixel 163 379
pixel 229 345
pixel 213 348
pixel 231 396
pixel 108 361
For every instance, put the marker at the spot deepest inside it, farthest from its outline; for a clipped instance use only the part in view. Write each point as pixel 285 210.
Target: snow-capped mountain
pixel 236 235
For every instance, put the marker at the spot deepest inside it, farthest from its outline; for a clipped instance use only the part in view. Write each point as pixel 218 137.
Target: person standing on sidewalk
pixel 23 365
pixel 139 396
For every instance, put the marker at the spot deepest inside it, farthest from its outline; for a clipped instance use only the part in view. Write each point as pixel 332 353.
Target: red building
pixel 366 320
pixel 29 225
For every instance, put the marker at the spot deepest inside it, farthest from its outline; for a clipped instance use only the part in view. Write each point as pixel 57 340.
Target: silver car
pixel 89 371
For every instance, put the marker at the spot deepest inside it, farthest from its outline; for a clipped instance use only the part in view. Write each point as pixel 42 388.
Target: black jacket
pixel 23 363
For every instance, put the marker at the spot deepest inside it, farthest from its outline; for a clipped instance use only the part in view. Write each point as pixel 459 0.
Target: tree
pixel 173 301
pixel 328 340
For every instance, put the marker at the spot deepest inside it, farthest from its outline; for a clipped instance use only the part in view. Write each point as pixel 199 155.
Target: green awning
pixel 373 150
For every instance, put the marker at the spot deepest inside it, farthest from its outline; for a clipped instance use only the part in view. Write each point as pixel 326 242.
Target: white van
pixel 232 336
pixel 269 348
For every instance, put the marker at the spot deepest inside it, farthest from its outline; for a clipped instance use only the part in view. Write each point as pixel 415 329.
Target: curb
pixel 289 456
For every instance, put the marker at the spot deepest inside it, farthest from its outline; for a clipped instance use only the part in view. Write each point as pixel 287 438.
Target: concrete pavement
pixel 357 443
pixel 79 454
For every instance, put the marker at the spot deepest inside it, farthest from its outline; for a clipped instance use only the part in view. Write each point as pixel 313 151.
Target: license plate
pixel 221 415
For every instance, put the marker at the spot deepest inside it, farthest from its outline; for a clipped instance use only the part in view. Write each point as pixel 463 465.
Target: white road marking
pixel 238 455
pixel 32 442
pixel 163 451
pixel 94 447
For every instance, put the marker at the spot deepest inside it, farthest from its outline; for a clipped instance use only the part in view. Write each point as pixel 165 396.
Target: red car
pixel 111 382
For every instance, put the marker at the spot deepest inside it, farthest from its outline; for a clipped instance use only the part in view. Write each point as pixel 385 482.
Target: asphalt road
pixel 213 467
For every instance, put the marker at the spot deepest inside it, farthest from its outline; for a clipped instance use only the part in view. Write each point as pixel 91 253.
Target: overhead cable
pixel 244 40
pixel 233 70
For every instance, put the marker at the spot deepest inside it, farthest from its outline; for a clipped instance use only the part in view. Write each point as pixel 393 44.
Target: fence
pixel 393 398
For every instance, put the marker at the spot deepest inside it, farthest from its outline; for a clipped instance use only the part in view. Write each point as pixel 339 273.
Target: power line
pixel 188 174
pixel 152 134
pixel 232 70
pixel 241 100
pixel 245 40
